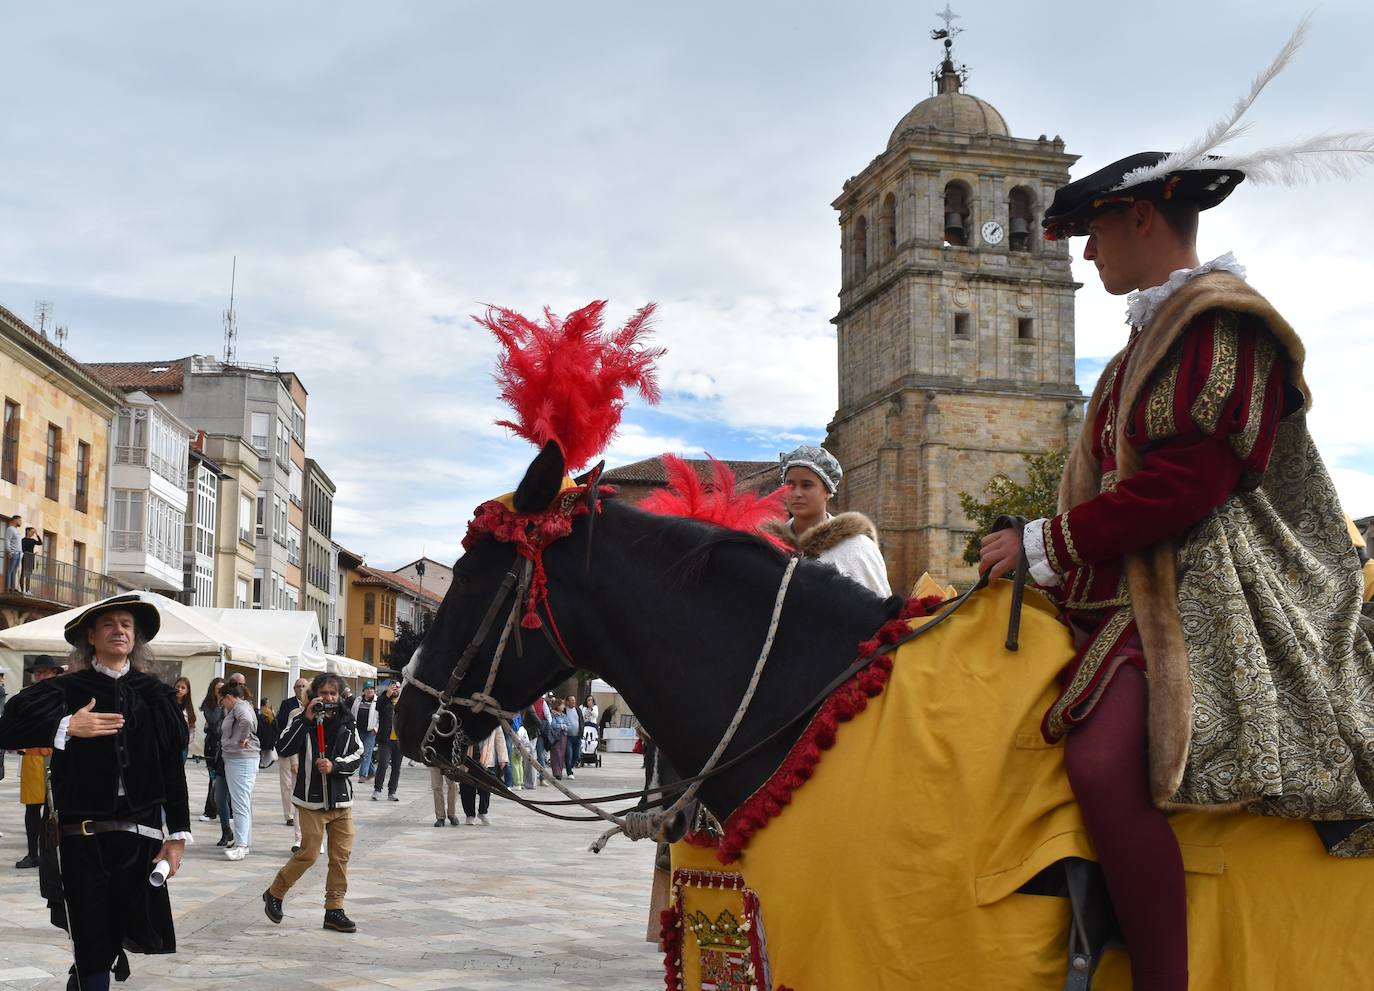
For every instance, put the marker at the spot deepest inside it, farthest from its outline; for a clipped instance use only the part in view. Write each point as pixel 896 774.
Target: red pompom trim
pixel 844 704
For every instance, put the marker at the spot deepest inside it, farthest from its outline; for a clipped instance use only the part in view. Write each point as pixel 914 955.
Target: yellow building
pixel 371 615
pixel 53 471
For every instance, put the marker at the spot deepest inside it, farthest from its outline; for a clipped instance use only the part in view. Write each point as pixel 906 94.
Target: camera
pixel 322 707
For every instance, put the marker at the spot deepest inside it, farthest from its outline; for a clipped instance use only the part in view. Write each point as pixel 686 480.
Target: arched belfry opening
pixel 958 216
pixel 1021 218
pixel 859 247
pixel 887 227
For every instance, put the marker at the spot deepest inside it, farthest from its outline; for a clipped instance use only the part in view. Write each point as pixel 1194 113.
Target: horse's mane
pixel 698 541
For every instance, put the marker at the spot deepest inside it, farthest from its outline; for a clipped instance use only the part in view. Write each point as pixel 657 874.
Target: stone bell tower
pixel 955 325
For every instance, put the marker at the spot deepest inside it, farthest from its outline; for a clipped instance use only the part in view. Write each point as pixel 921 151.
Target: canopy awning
pixel 292 632
pixel 185 632
pixel 347 667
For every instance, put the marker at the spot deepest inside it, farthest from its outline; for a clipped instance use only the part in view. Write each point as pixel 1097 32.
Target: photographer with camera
pixel 325 740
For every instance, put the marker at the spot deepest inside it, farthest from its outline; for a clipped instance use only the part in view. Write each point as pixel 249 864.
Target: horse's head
pixel 468 628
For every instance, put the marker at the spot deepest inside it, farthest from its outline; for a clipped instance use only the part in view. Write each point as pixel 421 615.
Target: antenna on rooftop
pixel 231 323
pixel 61 335
pixel 42 316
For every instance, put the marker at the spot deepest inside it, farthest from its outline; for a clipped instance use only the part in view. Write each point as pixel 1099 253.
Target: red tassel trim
pixel 844 704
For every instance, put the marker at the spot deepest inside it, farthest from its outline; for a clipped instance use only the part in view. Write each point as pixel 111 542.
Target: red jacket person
pixel 1200 555
pixel 118 785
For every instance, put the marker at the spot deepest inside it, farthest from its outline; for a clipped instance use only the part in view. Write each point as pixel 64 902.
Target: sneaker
pixel 484 820
pixel 472 821
pixel 376 796
pixel 271 906
pixel 335 919
pixel 453 820
pixel 392 797
pixel 27 863
pixel 290 822
pixel 236 852
pixel 438 822
pixel 295 848
pixel 571 775
pixel 207 818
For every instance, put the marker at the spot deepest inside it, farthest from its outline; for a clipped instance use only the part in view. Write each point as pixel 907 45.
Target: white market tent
pixel 347 667
pixel 190 641
pixel 293 632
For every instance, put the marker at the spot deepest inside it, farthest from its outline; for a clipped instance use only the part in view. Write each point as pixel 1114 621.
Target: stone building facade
pixel 955 325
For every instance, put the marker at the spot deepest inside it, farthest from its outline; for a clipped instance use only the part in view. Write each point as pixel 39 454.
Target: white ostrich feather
pixel 1226 128
pixel 1326 156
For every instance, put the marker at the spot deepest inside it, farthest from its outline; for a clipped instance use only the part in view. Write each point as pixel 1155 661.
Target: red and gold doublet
pixel 1205 428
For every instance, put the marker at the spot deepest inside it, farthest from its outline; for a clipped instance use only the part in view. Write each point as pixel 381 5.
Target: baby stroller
pixel 591 749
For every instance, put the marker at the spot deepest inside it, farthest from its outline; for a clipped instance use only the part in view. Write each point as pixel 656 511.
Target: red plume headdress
pixel 687 495
pixel 565 378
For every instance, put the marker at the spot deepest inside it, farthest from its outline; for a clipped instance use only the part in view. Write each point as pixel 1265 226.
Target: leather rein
pixel 460 765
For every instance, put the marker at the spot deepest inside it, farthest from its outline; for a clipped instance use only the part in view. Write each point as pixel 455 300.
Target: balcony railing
pixel 127 455
pixel 127 540
pixel 59 581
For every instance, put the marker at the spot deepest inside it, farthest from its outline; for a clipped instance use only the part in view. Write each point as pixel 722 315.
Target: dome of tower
pixel 952 111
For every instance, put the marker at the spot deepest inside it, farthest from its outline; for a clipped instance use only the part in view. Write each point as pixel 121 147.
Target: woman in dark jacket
pixel 217 797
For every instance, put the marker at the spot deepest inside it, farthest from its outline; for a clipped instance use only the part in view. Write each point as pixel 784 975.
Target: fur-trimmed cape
pixel 1257 662
pixel 840 541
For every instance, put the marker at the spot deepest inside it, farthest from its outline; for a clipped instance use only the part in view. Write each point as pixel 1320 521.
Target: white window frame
pixel 260 441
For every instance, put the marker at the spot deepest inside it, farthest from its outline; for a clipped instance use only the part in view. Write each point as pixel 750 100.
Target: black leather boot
pixel 226 836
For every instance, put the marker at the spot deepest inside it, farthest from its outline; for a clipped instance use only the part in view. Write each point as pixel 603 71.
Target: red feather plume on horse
pixel 565 378
pixel 719 503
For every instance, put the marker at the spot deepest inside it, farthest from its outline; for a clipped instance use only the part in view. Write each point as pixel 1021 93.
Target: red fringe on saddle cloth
pixel 844 704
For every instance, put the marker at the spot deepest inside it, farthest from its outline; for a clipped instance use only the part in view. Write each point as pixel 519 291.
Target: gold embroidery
pixel 1109 480
pixel 1122 597
pixel 1221 377
pixel 1047 534
pixel 1068 540
pixel 1244 442
pixel 1107 397
pixel 1159 412
pixel 1098 652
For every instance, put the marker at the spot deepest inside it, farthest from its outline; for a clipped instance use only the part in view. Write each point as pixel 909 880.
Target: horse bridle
pixel 632 822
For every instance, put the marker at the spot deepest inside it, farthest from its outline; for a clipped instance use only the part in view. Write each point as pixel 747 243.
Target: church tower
pixel 955 326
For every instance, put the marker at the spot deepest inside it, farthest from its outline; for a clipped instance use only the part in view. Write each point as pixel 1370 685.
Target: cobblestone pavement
pixel 520 904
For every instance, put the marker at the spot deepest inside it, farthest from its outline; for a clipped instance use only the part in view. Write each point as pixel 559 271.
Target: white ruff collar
pixel 1143 304
pixel 111 672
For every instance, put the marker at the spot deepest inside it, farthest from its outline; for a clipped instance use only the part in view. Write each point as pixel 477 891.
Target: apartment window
pixel 262 514
pixel 166 531
pixel 367 649
pixel 169 448
pixel 131 437
pixel 293 544
pixel 245 519
pixel 294 479
pixel 78 555
pixel 207 499
pixel 240 593
pixel 50 546
pixel 298 424
pixel 9 464
pixel 53 471
pixel 257 590
pixel 292 598
pixel 126 520
pixel 83 476
pixel 370 608
pixel 283 443
pixel 259 423
pixel 203 587
pixel 279 520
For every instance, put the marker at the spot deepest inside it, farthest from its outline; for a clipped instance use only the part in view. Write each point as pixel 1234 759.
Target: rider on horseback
pixel 1200 558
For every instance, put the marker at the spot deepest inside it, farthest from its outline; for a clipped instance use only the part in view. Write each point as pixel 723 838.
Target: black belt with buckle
pixel 91 827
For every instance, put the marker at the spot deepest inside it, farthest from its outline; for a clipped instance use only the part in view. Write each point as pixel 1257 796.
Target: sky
pixel 383 171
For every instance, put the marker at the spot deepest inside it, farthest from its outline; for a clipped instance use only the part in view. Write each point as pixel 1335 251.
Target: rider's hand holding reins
pixel 1001 551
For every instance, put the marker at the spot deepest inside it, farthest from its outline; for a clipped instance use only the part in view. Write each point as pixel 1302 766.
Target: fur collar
pixel 823 536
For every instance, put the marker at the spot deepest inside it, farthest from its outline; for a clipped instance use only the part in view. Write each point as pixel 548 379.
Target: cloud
pixel 382 173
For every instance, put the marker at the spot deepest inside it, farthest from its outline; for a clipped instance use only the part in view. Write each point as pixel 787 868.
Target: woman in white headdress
pixel 847 541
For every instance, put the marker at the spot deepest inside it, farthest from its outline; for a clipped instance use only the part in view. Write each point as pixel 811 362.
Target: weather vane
pixel 948 32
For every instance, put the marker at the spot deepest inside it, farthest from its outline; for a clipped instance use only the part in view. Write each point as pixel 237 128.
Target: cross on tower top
pixel 949 17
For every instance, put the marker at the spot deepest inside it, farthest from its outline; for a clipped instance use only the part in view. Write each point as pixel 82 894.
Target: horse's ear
pixel 542 482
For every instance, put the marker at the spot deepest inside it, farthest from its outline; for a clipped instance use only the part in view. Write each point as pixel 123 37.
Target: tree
pixel 407 639
pixel 1037 498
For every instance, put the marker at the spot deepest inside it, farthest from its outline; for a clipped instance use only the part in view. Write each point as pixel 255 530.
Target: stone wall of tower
pixel 942 382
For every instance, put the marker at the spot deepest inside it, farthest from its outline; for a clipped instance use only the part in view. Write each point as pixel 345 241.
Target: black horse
pixel 631 586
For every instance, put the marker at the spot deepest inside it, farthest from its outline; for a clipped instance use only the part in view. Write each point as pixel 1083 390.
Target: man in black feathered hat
pixel 118 785
pixel 1211 670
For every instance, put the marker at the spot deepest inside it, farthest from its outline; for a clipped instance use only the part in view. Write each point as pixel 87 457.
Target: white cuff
pixel 190 840
pixel 60 741
pixel 1033 539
